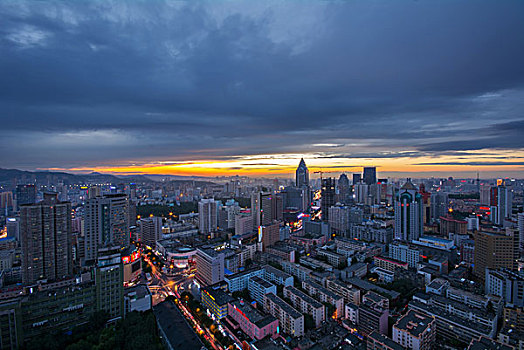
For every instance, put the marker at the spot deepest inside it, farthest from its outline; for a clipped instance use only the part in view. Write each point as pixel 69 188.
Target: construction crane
pixel 319 172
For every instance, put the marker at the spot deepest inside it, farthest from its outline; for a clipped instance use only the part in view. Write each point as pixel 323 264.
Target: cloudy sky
pixel 249 87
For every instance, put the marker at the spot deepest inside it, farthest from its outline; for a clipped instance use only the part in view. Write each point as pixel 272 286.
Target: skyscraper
pixel 501 202
pixel 327 199
pixel 208 215
pixel 302 174
pixel 25 194
pixel 109 281
pixel 45 230
pixel 357 178
pixel 495 250
pixel 370 175
pixel 343 188
pixel 409 213
pixel 266 207
pixel 150 230
pixel 106 223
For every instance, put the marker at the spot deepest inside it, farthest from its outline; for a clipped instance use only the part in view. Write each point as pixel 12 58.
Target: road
pixel 175 286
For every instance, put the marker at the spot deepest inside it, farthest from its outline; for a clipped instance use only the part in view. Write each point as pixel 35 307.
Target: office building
pixel 269 234
pixel 25 194
pixel 150 230
pixel 357 178
pixel 290 320
pixel 408 213
pixel 439 205
pixel 208 216
pixel 339 219
pixel 494 251
pixel 415 331
pixel 13 227
pixel 501 204
pixel 302 174
pixel 370 175
pixel 266 208
pixel 243 224
pixel 327 199
pixel 106 223
pixel 109 281
pixel 45 229
pixel 210 266
pixel 343 189
pixel 306 304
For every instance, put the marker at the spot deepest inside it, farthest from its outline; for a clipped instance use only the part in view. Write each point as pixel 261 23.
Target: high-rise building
pixel 208 215
pixel 6 202
pixel 269 234
pixel 109 280
pixel 45 230
pixel 327 199
pixel 520 223
pixel 370 175
pixel 508 285
pixel 339 219
pixel 408 213
pixel 25 194
pixel 361 193
pixel 210 266
pixel 266 207
pixel 106 223
pixel 343 189
pixel 302 174
pixel 150 230
pixel 439 205
pixel 297 198
pixel 501 202
pixel 494 251
pixel 357 178
pixel 13 227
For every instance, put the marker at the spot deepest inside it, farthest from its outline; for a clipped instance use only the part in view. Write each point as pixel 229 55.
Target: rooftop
pixel 272 270
pixel 415 323
pixel 175 327
pixel 262 282
pixel 254 316
pixel 218 295
pixel 284 306
pixel 380 338
pixel 304 297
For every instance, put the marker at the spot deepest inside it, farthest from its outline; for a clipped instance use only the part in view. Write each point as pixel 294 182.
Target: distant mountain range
pixel 8 177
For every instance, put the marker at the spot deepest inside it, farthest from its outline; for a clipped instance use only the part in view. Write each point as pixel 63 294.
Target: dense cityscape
pixel 314 262
pixel 262 175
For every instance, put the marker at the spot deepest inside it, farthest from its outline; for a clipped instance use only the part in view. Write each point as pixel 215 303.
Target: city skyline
pixel 417 89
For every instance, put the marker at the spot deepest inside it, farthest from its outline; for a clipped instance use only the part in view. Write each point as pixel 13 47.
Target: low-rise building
pixel 306 304
pixel 216 301
pixel 415 330
pixel 291 321
pixel 252 322
pixel 378 341
pixel 389 264
pixel 137 298
pixel 300 272
pixel 259 287
pixel 239 281
pixel 277 276
pixel 325 296
pixel 346 290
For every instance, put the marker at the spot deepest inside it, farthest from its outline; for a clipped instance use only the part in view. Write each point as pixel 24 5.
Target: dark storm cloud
pixel 90 82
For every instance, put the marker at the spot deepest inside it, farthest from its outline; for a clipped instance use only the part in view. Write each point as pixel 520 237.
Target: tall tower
pixel 207 215
pixel 343 188
pixel 106 223
pixel 45 230
pixel 409 213
pixel 327 199
pixel 370 175
pixel 302 174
